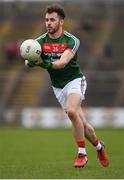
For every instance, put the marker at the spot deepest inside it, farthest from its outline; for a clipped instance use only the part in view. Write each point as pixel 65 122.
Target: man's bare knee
pixel 71 113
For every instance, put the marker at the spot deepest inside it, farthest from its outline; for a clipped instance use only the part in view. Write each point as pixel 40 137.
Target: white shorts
pixel 78 86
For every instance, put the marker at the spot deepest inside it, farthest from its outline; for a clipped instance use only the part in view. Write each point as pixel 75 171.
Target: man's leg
pixel 91 136
pixel 73 106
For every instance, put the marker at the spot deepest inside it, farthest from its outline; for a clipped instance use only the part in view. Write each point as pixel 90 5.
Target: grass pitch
pixel 50 154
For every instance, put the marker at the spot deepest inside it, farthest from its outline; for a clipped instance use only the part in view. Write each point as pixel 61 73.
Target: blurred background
pixel 26 97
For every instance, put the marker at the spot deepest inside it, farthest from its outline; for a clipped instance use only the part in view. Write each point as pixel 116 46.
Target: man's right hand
pixel 30 63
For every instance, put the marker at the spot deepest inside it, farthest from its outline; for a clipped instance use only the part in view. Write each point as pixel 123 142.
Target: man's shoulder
pixel 70 36
pixel 41 37
pixel 71 39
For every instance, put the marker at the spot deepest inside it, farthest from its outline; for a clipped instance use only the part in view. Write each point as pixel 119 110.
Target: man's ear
pixel 61 22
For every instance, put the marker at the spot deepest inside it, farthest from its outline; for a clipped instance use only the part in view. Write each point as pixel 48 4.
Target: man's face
pixel 53 22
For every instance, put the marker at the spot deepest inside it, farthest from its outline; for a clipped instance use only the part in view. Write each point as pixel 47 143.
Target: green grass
pixel 50 154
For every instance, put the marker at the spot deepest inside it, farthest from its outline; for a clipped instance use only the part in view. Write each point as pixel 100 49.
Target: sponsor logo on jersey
pixel 54 47
pixel 53 56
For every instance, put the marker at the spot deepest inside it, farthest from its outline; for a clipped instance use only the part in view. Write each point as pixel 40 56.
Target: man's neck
pixel 57 34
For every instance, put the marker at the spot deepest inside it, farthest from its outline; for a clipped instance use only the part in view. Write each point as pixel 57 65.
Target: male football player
pixel 59 58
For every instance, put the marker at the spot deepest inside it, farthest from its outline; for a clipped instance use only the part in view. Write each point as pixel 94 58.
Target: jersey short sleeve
pixel 73 42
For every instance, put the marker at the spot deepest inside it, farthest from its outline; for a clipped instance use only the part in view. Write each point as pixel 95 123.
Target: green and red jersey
pixel 53 49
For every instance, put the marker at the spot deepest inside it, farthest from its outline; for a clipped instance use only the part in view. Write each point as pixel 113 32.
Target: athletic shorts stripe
pixel 83 86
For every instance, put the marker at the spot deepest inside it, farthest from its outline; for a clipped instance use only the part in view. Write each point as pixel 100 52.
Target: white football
pixel 30 49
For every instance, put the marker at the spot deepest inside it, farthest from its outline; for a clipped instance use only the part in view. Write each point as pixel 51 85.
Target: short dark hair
pixel 56 8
